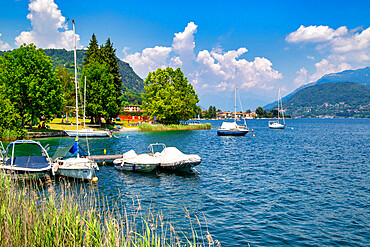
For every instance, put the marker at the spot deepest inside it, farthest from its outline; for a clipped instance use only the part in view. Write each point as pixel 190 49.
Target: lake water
pixel 307 185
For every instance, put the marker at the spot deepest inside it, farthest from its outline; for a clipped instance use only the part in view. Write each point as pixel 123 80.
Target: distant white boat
pixel 88 133
pixel 232 128
pixel 277 124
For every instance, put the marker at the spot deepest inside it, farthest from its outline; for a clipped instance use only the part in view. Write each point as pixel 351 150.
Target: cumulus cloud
pixel 149 60
pixel 315 34
pixel 325 67
pixel 227 66
pixel 213 69
pixel 49 27
pixel 4 46
pixel 301 79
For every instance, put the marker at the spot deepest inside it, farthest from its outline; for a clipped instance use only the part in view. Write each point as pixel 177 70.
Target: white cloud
pixel 226 66
pixel 149 60
pixel 213 69
pixel 355 42
pixel 49 27
pixel 301 79
pixel 315 34
pixel 4 46
pixel 325 67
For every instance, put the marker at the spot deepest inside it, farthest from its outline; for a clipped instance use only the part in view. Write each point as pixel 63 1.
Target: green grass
pixel 162 127
pixel 42 214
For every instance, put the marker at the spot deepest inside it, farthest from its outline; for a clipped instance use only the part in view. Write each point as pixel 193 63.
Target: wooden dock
pixel 105 157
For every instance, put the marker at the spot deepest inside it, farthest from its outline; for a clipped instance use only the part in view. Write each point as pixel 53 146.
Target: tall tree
pixel 31 84
pixel 100 96
pixel 67 88
pixel 169 97
pixel 106 57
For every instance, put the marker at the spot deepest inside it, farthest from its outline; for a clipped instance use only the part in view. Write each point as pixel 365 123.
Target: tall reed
pixel 49 214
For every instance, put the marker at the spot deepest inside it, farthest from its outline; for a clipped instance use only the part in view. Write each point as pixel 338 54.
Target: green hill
pixel 341 99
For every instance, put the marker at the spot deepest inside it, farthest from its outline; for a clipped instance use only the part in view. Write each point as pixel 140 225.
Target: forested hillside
pixel 341 99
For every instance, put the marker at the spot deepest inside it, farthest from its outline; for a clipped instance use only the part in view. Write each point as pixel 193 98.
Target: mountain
pixel 360 76
pixel 340 99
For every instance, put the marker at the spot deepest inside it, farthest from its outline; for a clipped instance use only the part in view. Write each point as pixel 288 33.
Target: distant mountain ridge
pixel 359 76
pixel 334 99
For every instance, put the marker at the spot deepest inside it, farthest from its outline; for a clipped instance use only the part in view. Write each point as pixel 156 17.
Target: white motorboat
pixel 75 166
pixel 277 124
pixel 232 128
pixel 26 159
pixel 170 159
pixel 131 161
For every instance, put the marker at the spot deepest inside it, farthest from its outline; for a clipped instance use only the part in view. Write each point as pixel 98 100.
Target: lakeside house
pixel 132 108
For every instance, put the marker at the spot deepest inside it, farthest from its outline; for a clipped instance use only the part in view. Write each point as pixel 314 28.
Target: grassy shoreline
pixel 162 127
pixel 50 214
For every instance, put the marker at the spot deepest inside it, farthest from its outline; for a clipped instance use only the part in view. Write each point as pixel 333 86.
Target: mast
pixel 278 105
pixel 84 102
pixel 76 84
pixel 235 105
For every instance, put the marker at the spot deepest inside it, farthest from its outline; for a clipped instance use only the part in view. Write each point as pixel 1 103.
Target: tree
pixel 100 94
pixel 110 80
pixel 259 111
pixel 67 87
pixel 32 86
pixel 169 97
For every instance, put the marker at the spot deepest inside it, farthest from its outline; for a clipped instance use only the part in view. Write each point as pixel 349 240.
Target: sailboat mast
pixel 235 105
pixel 76 84
pixel 278 105
pixel 84 102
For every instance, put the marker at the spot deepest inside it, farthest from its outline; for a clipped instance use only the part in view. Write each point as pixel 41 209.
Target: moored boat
pixel 277 124
pixel 232 128
pixel 26 159
pixel 131 161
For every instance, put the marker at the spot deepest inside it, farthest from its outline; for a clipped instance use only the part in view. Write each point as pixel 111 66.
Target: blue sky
pixel 257 45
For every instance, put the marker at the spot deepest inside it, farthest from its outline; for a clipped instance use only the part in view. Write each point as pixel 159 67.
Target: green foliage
pixel 100 96
pixel 341 99
pixel 169 97
pixel 104 81
pixel 259 111
pixel 211 113
pixel 32 86
pixel 67 87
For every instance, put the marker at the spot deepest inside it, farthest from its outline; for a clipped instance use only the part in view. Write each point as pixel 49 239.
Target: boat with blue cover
pixel 26 159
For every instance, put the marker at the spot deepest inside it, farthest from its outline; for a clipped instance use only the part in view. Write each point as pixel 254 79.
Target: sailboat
pixel 78 166
pixel 88 132
pixel 232 128
pixel 277 124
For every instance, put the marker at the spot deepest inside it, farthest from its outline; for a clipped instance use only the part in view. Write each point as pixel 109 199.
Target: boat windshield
pixel 157 147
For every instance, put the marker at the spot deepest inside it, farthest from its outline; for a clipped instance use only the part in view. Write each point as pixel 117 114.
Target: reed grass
pixel 162 127
pixel 45 214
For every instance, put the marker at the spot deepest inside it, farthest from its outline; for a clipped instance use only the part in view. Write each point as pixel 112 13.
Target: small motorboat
pixel 26 159
pixel 131 161
pixel 169 158
pixel 173 159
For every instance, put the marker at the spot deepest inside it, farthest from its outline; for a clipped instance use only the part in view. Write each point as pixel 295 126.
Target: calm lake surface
pixel 307 185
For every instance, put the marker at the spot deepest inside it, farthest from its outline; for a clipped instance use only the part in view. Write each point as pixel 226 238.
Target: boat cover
pixel 229 125
pixel 63 151
pixel 173 155
pixel 32 162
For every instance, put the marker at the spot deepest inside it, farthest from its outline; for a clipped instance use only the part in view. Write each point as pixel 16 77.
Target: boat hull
pixel 135 167
pixel 221 132
pixel 275 125
pixel 73 133
pixel 84 174
pixel 179 166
